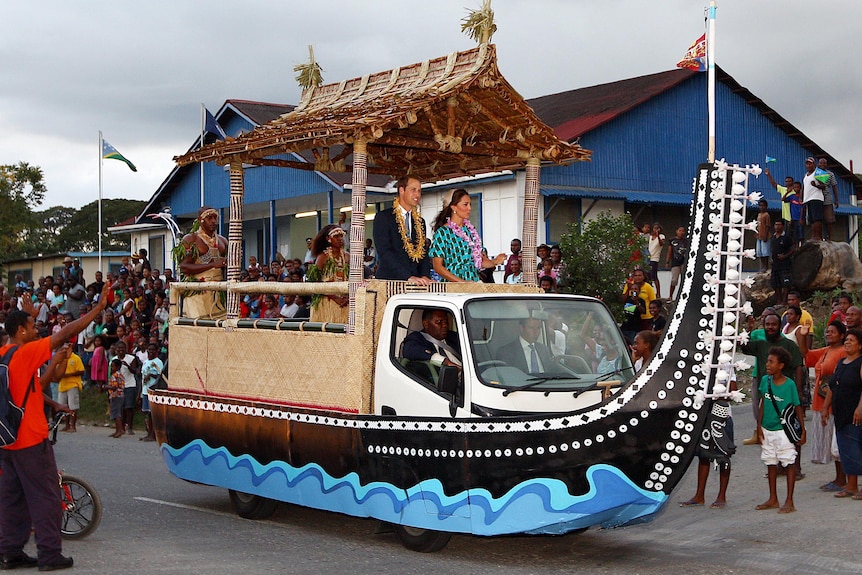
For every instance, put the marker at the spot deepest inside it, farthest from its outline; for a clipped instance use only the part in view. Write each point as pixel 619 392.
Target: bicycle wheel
pixel 82 508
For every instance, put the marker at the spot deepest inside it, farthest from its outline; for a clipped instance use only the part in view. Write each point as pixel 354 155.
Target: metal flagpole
pixel 710 62
pixel 203 124
pixel 100 200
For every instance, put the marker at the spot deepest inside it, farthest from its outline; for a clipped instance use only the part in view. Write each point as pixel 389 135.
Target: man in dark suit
pixel 401 253
pixel 526 353
pixel 435 343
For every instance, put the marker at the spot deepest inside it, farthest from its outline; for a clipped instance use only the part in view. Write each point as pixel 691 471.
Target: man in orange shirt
pixel 28 486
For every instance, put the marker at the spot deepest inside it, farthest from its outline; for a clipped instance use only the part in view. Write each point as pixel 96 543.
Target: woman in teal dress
pixel 456 253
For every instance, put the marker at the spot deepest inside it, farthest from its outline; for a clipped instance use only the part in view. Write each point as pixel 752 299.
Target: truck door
pixel 410 376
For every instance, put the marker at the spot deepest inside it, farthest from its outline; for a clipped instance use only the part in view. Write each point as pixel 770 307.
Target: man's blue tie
pixel 534 359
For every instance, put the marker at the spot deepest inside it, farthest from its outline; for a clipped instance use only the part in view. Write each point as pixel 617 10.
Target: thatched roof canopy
pixel 446 117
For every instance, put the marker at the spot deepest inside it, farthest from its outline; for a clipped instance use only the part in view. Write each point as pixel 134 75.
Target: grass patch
pixel 94 409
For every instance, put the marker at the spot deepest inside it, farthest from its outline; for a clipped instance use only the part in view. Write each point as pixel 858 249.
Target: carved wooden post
pixel 357 227
pixel 234 238
pixel 531 218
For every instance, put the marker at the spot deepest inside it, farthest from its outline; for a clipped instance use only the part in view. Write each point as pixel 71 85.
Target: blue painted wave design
pixel 534 506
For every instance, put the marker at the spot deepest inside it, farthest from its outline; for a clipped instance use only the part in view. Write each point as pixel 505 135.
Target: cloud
pixel 139 72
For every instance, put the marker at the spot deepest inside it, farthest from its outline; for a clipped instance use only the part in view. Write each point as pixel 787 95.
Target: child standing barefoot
pixel 775 446
pixel 720 421
pixel 116 387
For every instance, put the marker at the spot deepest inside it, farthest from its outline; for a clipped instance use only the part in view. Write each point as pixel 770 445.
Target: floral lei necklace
pixel 415 251
pixel 473 240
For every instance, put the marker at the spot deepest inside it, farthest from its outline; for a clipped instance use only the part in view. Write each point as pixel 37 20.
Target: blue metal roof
pixel 640 197
pixel 653 149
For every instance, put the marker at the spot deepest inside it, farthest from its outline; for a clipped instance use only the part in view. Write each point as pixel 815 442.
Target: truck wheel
pixel 250 506
pixel 421 540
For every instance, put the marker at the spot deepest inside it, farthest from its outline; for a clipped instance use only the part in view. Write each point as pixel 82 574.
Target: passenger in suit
pixel 435 343
pixel 527 353
pixel 399 235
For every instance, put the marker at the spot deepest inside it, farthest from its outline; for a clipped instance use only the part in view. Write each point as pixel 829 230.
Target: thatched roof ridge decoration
pixel 310 74
pixel 479 24
pixel 441 118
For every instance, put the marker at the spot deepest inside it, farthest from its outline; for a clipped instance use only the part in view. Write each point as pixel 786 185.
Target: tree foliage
pixel 43 236
pixel 21 191
pixel 81 233
pixel 600 257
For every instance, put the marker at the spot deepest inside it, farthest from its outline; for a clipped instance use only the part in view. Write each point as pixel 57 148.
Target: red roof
pixel 576 112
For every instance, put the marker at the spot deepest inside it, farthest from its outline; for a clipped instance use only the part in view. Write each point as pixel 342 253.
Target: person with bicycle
pixel 29 497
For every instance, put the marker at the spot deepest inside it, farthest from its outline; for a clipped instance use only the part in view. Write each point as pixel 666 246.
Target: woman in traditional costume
pixel 456 253
pixel 204 261
pixel 331 264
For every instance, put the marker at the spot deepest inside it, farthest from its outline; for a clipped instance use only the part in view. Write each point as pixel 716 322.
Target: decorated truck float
pixel 334 417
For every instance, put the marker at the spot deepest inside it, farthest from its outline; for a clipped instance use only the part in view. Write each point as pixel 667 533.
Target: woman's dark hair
pixel 857 333
pixel 321 240
pixel 649 337
pixel 796 310
pixel 839 325
pixel 446 213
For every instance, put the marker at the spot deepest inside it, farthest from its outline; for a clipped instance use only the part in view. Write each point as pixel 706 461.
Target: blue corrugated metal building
pixel 647 135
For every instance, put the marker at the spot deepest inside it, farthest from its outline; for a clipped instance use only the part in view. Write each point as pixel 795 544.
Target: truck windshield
pixel 546 344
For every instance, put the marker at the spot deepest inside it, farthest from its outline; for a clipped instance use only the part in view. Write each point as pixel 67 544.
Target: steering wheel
pixel 574 363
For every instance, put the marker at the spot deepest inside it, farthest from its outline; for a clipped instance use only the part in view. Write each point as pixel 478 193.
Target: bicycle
pixel 82 507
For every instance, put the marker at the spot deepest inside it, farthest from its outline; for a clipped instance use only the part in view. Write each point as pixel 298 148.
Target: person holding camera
pixel 637 295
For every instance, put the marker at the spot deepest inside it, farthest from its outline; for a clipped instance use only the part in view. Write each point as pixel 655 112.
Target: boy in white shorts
pixel 775 446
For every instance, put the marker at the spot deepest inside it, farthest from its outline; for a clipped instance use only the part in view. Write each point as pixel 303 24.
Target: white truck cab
pixel 519 353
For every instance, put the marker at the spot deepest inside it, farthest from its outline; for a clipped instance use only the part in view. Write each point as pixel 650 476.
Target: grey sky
pixel 138 71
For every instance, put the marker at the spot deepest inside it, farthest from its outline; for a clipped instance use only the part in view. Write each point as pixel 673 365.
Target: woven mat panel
pixel 188 352
pixel 316 369
pixel 312 369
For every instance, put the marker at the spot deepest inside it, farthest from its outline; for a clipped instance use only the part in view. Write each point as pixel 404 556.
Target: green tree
pixel 82 231
pixel 21 191
pixel 43 236
pixel 600 257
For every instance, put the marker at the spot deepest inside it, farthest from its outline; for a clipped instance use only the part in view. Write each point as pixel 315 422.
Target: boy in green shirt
pixel 775 446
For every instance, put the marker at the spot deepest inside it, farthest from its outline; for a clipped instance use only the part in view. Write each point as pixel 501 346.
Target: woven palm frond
pixel 310 74
pixel 479 24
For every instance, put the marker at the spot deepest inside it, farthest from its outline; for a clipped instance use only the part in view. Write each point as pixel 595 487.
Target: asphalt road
pixel 155 523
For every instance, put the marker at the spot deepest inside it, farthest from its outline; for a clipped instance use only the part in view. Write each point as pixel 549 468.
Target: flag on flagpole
pixel 695 57
pixel 109 152
pixel 213 127
pixel 770 159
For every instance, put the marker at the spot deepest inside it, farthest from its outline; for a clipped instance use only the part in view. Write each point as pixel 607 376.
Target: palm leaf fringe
pixel 310 74
pixel 479 24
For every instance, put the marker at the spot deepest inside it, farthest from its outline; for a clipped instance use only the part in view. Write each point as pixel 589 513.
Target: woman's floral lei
pixel 472 240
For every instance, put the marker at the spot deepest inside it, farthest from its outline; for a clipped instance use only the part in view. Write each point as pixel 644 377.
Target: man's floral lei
pixel 415 251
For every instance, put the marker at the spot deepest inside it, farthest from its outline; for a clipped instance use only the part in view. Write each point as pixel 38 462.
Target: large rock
pixel 826 266
pixel 816 266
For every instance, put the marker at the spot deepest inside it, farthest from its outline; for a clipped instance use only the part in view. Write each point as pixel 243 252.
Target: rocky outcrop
pixel 826 266
pixel 816 266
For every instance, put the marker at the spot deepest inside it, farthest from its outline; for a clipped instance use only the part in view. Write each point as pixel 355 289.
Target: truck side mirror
pixel 449 382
